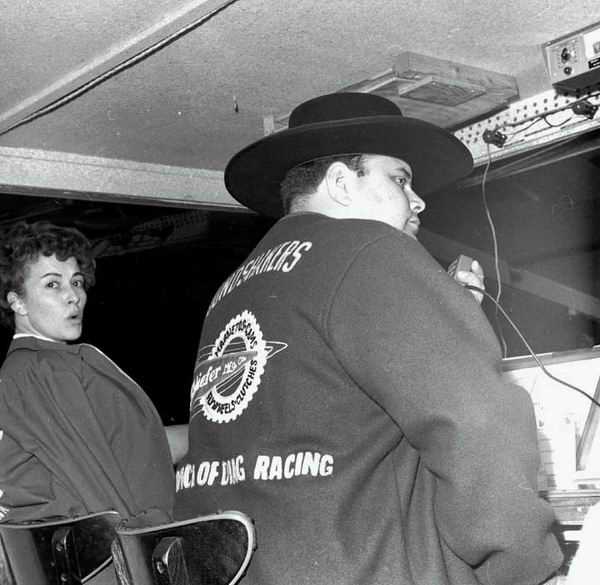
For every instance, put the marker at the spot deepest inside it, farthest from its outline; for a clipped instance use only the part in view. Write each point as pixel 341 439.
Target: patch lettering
pixel 228 373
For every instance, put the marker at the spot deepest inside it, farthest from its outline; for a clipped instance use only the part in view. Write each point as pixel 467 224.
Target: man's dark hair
pixel 302 181
pixel 22 244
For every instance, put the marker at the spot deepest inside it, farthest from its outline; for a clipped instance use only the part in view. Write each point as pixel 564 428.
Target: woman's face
pixel 53 300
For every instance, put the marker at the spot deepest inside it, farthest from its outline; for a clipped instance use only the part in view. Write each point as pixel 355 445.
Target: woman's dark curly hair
pixel 23 243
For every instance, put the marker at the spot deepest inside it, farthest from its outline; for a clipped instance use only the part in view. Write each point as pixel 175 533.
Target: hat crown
pixel 341 106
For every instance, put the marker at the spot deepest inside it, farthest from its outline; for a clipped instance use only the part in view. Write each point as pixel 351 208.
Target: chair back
pixel 56 552
pixel 213 549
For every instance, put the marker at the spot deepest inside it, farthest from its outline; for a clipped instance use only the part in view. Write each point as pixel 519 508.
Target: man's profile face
pixel 384 193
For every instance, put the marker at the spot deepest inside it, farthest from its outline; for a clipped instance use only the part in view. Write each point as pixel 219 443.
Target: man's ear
pixel 16 303
pixel 336 179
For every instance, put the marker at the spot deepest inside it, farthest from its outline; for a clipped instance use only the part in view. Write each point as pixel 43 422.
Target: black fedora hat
pixel 344 123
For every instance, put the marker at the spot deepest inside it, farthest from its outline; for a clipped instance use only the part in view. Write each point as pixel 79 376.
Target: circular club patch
pixel 227 379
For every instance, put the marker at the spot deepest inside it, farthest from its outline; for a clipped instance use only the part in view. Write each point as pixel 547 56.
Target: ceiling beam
pixel 446 250
pixel 44 173
pixel 173 24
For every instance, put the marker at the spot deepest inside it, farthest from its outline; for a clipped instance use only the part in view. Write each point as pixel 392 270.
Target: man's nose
pixel 416 203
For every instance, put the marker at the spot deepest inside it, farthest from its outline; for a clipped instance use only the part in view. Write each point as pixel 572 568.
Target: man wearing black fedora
pixel 346 392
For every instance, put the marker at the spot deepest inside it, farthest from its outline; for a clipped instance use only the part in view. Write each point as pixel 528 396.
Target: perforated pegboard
pixel 524 126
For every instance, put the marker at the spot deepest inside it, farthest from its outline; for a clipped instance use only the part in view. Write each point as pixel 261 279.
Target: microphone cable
pixel 529 348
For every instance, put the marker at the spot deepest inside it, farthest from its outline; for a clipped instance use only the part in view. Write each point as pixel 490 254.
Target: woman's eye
pixel 78 283
pixel 52 284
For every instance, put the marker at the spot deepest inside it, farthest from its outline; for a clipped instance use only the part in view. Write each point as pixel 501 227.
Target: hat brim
pixel 437 158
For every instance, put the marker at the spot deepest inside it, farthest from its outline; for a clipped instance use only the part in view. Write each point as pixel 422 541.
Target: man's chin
pixel 411 230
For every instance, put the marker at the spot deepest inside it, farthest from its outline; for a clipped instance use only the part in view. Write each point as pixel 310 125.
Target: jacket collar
pixel 20 341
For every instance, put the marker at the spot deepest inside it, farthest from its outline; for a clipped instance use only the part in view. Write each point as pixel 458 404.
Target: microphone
pixel 463 262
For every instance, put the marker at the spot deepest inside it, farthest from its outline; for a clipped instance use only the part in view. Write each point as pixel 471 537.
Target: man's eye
pixel 401 181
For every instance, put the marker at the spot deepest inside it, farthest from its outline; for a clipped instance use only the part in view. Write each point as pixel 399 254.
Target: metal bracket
pixel 64 557
pixel 168 561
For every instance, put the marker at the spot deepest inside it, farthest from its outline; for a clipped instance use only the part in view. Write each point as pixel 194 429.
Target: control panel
pixel 573 60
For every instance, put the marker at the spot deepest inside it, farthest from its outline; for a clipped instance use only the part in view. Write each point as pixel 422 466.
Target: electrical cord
pixel 559 125
pixel 521 130
pixel 500 137
pixel 541 118
pixel 496 255
pixel 538 117
pixel 496 300
pixel 536 154
pixel 529 348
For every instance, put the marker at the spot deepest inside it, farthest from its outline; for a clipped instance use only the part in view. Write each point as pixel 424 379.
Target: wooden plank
pixel 442 92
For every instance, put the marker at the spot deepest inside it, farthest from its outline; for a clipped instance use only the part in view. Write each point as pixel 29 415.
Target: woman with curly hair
pixel 77 434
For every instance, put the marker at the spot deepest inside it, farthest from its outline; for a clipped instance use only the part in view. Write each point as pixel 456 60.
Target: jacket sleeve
pixel 420 346
pixel 25 485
